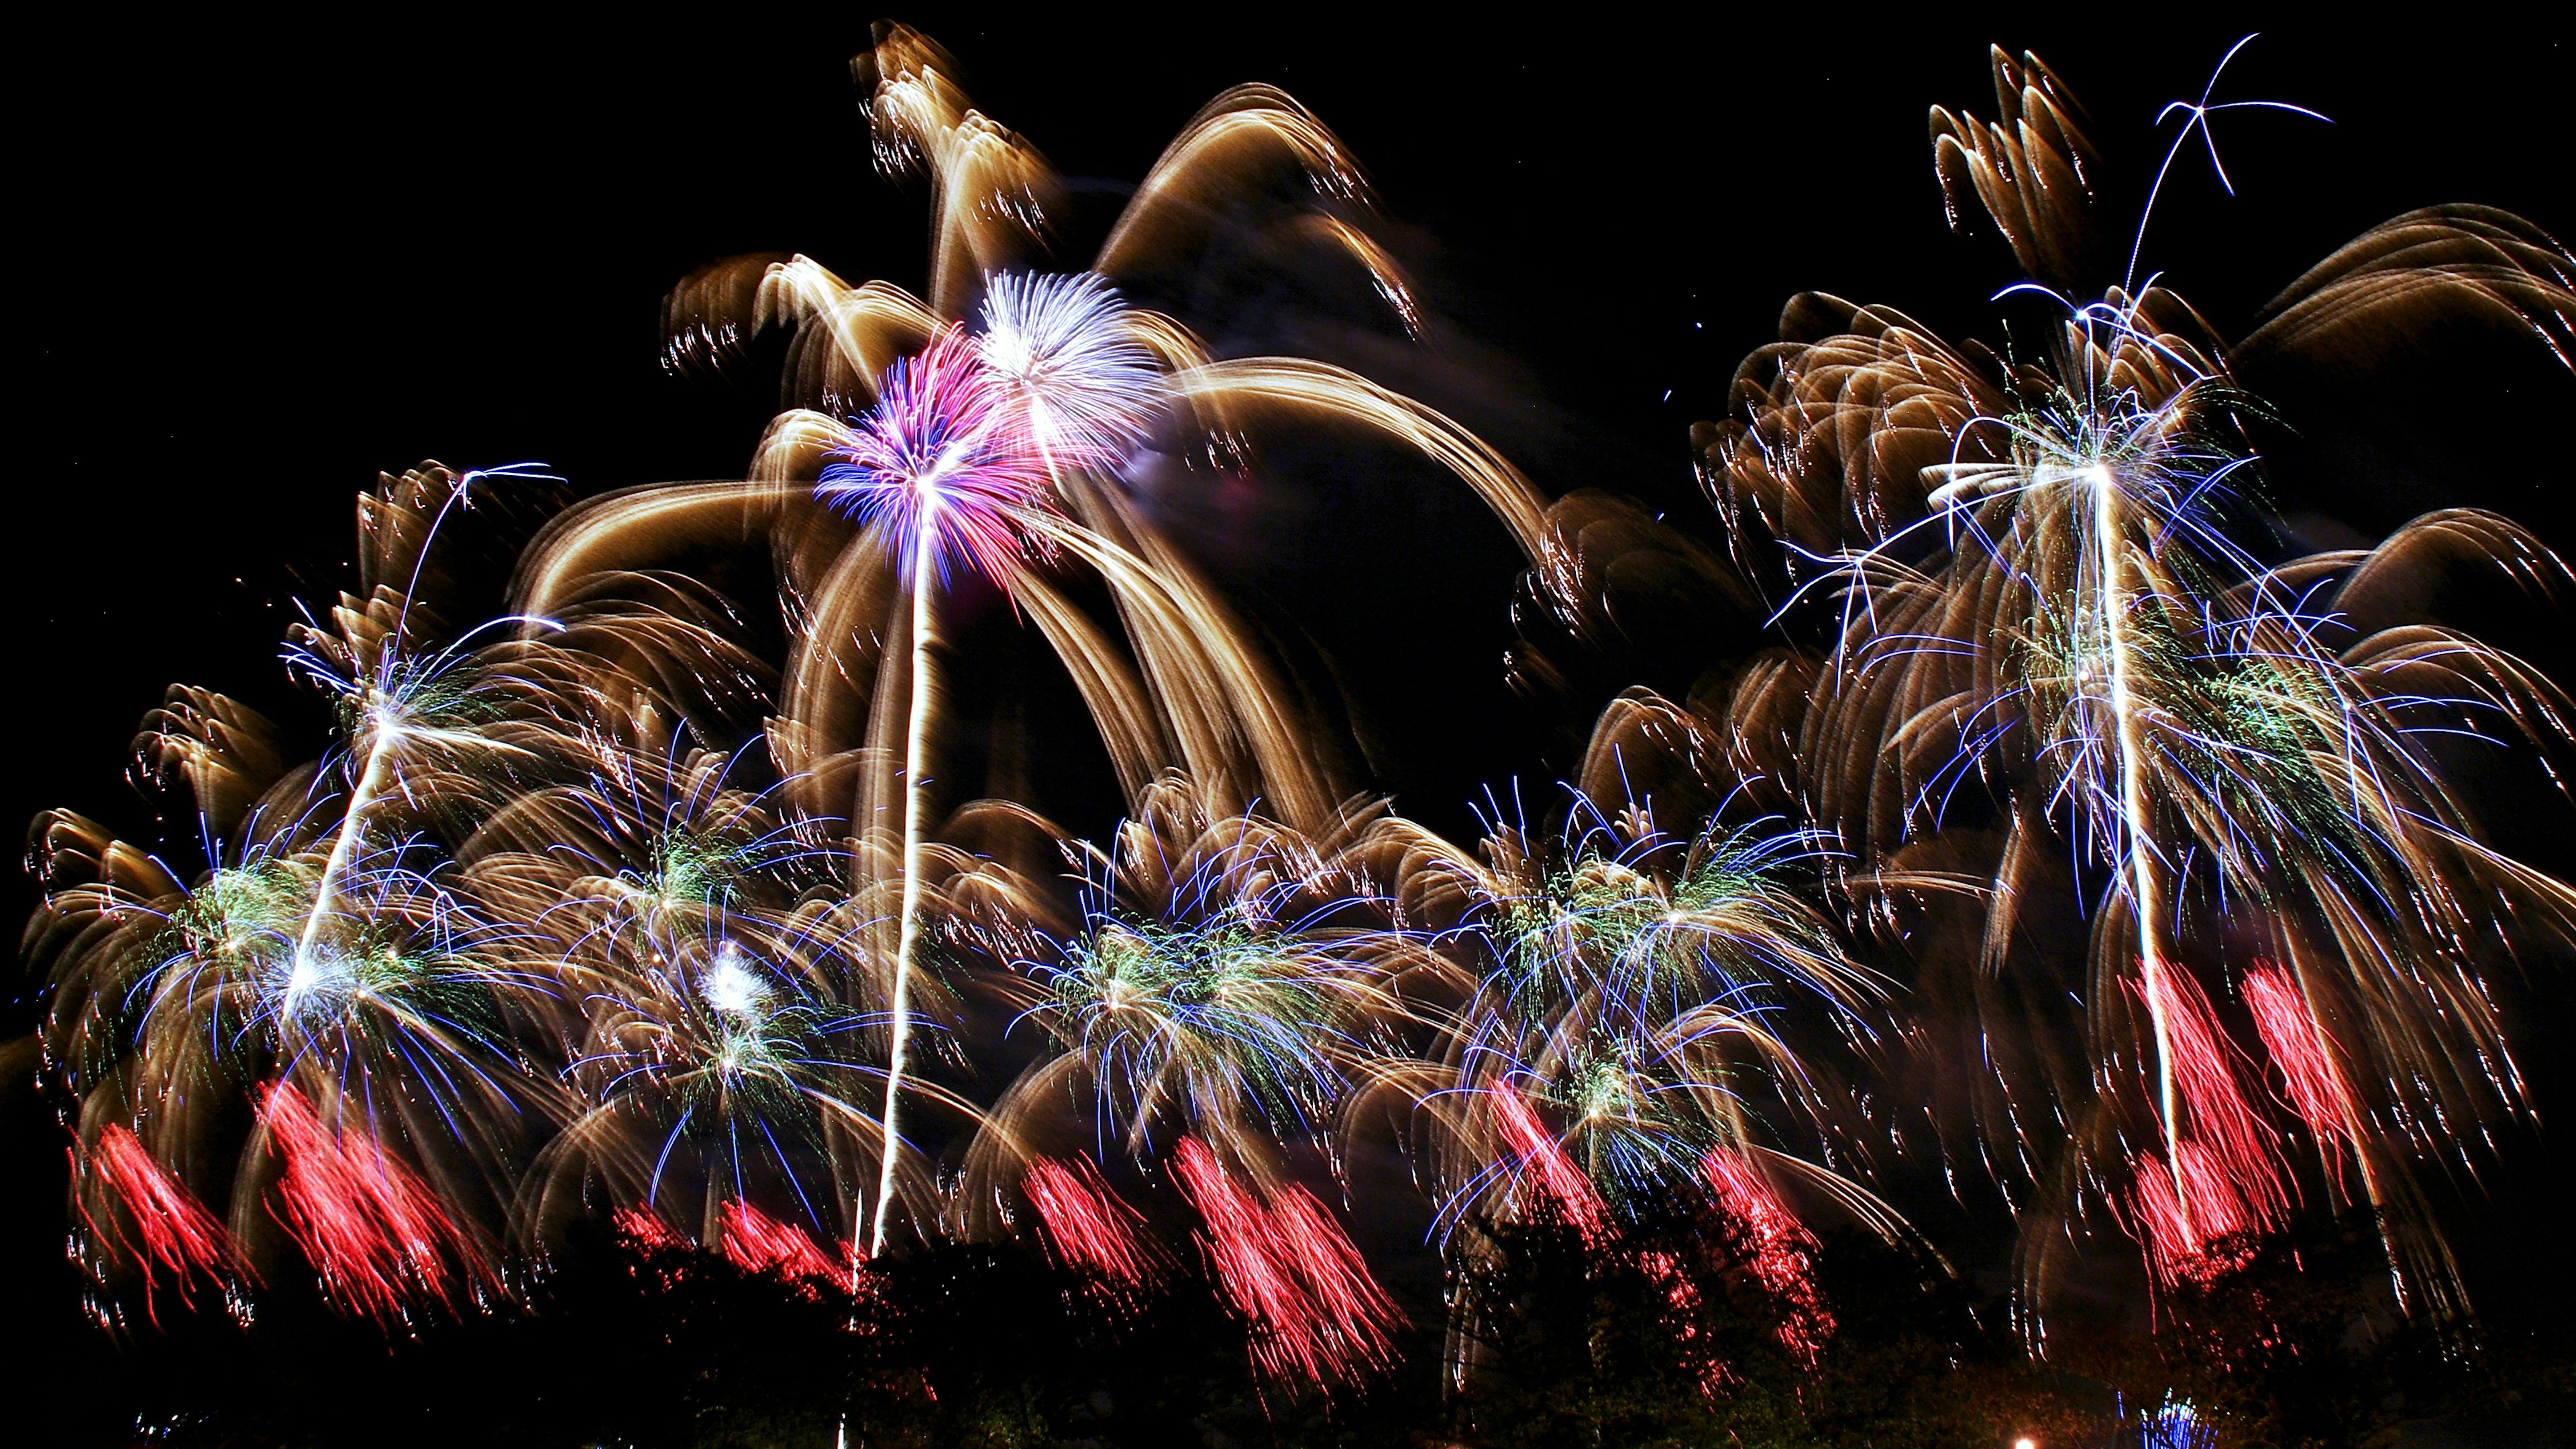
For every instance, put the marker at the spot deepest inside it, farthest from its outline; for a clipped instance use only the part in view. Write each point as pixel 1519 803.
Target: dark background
pixel 259 262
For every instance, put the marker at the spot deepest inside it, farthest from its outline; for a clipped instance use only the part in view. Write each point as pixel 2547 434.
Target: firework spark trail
pixel 1315 1312
pixel 757 1243
pixel 1544 1165
pixel 2195 1212
pixel 1085 1223
pixel 2299 1049
pixel 2234 1164
pixel 376 1235
pixel 646 1230
pixel 908 927
pixel 1783 1251
pixel 172 1231
pixel 2137 852
pixel 945 464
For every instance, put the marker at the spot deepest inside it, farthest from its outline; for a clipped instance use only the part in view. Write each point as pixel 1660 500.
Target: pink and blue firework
pixel 1063 350
pixel 946 453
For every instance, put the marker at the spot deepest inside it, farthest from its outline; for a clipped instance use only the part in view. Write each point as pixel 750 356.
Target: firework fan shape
pixel 1005 446
pixel 1222 987
pixel 946 462
pixel 320 1030
pixel 2067 667
pixel 654 905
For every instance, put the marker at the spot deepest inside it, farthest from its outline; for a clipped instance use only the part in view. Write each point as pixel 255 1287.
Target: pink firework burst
pixel 372 1230
pixel 946 451
pixel 172 1232
pixel 758 1243
pixel 646 1231
pixel 2297 1046
pixel 1062 348
pixel 1783 1251
pixel 1084 1223
pixel 2225 1179
pixel 1543 1167
pixel 1315 1312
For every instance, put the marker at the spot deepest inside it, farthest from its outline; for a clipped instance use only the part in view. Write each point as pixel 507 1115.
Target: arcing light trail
pixel 2048 629
pixel 611 912
pixel 943 458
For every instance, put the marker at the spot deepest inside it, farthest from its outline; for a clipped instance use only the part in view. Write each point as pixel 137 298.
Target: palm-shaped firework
pixel 695 941
pixel 326 973
pixel 2060 622
pixel 1635 1016
pixel 1637 1047
pixel 1222 987
pixel 994 448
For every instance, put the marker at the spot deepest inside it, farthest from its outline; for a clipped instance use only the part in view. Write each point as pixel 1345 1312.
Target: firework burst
pixel 2062 630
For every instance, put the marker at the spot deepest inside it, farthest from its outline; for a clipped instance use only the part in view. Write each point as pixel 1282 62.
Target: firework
pixel 1630 1021
pixel 162 1228
pixel 2056 632
pixel 324 990
pixel 1085 1224
pixel 1316 1314
pixel 945 465
pixel 1782 1250
pixel 377 1235
pixel 648 903
pixel 1643 1031
pixel 1061 348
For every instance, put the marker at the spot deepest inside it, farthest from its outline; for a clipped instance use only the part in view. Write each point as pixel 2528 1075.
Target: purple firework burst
pixel 946 450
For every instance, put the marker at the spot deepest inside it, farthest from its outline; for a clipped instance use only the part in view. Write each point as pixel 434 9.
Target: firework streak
pixel 668 895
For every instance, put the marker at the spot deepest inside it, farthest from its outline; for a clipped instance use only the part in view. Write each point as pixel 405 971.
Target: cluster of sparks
pixel 596 913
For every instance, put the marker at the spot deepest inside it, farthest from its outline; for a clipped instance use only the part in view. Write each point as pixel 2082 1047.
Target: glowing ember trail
pixel 1546 1168
pixel 1783 1250
pixel 1085 1224
pixel 374 1233
pixel 1315 1312
pixel 758 1243
pixel 172 1231
pixel 647 1231
pixel 2298 1048
pixel 2225 1177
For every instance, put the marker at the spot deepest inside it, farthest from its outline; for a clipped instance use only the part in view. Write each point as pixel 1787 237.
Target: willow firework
pixel 2062 626
pixel 658 891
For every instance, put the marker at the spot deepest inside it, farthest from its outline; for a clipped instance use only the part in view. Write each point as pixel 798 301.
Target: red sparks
pixel 1665 1271
pixel 171 1231
pixel 372 1230
pixel 2297 1045
pixel 1545 1167
pixel 1287 1267
pixel 1783 1250
pixel 1084 1223
pixel 2197 1230
pixel 646 1230
pixel 757 1243
pixel 2226 1179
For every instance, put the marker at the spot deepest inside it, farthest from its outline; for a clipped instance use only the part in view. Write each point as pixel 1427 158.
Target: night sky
pixel 260 263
